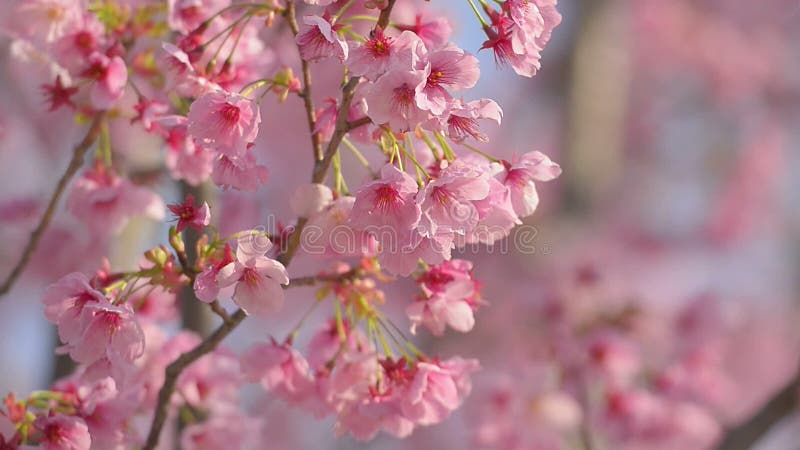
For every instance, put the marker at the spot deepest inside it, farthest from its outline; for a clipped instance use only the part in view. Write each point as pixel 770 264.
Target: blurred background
pixel 668 250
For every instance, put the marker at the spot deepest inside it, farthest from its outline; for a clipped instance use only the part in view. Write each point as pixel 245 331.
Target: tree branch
pixel 352 125
pixel 321 166
pixel 75 163
pixel 174 370
pixel 291 18
pixel 326 278
pixel 745 435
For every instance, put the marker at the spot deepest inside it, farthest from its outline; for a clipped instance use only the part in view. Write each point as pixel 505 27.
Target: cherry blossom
pixel 189 215
pixel 321 40
pixel 226 121
pixel 257 278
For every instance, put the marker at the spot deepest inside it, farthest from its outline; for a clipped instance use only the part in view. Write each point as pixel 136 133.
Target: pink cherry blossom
pixel 148 112
pixel 447 308
pixel 329 232
pixel 536 19
pixel 214 380
pixel 396 99
pixel 520 176
pixel 182 75
pixel 280 369
pixel 243 174
pixel 185 16
pixel 60 432
pixel 44 20
pixel 206 286
pixel 354 373
pixel 496 215
pixel 380 53
pixel 110 75
pixel 189 215
pixel 58 94
pixel 377 411
pixel 231 430
pixel 437 278
pixel 65 302
pixel 434 30
pixel 379 408
pixel 450 68
pixel 103 407
pixel 511 48
pixel 228 122
pixel 448 199
pixel 460 119
pixel 106 201
pixel 321 39
pixel 401 251
pixel 436 390
pixel 387 202
pixel 107 331
pixel 74 48
pixel 185 159
pixel 257 278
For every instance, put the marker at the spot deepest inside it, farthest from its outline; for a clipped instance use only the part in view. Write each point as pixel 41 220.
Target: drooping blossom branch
pixel 202 103
pixel 290 13
pixel 320 170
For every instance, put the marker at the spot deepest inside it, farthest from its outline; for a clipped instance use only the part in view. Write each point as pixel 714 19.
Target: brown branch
pixel 321 166
pixel 75 163
pixel 352 125
pixel 176 367
pixel 383 18
pixel 220 311
pixel 745 435
pixel 324 278
pixel 291 18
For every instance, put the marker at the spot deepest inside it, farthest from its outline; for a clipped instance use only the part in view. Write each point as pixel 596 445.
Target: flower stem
pixel 478 14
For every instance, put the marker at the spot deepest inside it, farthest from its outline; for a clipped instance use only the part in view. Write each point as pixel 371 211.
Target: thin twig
pixel 325 278
pixel 321 166
pixel 291 18
pixel 352 125
pixel 75 163
pixel 745 435
pixel 220 311
pixel 210 343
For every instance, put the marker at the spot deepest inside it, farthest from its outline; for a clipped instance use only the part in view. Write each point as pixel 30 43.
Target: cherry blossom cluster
pixel 604 367
pixel 196 75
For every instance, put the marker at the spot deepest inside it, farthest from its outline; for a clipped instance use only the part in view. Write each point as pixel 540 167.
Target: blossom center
pixel 403 97
pixel 379 47
pixel 435 78
pixel 84 40
pixel 54 433
pixel 386 197
pixel 441 195
pixel 230 113
pixel 251 277
pixel 111 320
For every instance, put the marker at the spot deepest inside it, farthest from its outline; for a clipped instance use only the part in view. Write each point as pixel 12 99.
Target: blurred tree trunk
pixel 63 364
pixel 598 91
pixel 195 316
